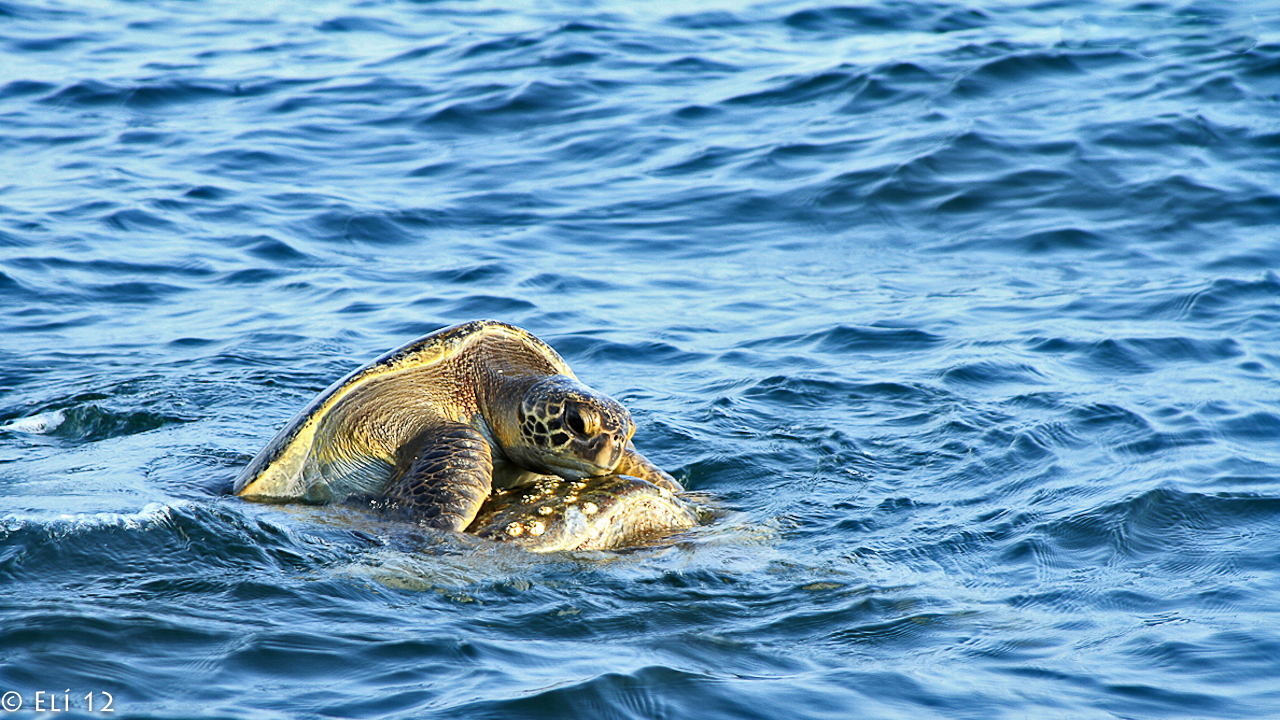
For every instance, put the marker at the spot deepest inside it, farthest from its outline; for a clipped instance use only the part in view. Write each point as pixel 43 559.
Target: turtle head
pixel 567 429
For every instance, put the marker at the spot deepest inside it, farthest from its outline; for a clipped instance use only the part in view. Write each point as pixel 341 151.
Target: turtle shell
pixel 348 440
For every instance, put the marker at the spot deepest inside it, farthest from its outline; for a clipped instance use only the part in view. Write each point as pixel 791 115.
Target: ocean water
pixel 965 314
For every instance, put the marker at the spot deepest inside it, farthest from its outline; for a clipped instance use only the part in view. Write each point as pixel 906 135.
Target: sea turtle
pixel 600 513
pixel 434 426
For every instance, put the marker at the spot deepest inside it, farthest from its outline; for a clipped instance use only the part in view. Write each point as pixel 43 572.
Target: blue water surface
pixel 965 313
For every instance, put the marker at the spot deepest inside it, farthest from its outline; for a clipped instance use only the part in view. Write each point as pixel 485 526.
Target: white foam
pixel 36 424
pixel 151 515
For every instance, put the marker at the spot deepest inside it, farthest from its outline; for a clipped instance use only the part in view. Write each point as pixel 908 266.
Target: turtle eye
pixel 582 421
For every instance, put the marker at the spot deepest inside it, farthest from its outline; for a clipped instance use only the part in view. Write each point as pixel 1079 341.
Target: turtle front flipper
pixel 636 465
pixel 448 479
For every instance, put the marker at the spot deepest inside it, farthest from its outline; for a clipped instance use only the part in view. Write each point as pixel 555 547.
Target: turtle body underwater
pixel 482 412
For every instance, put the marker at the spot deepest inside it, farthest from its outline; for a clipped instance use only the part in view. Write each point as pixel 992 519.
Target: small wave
pixel 697 114
pixel 1150 34
pixel 481 274
pixel 101 414
pixel 253 276
pixel 167 538
pixel 1005 73
pixel 591 349
pixel 1065 239
pixel 107 268
pixel 255 161
pixel 987 373
pixel 347 226
pixel 21 88
pixel 151 515
pixel 207 192
pixel 135 292
pixel 358 24
pixel 91 422
pixel 822 86
pixel 1260 426
pixel 1210 531
pixel 695 64
pixel 1259 299
pixel 487 305
pixel 565 283
pixel 501 45
pixel 135 219
pixel 94 93
pixel 540 103
pixel 1138 355
pixel 796 392
pixel 845 338
pixel 838 21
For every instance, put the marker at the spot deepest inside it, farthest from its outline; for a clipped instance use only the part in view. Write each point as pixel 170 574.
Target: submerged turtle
pixel 435 426
pixel 592 514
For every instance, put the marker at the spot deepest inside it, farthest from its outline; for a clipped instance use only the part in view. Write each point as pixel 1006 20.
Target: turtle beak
pixel 603 458
pixel 607 457
pixel 609 454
